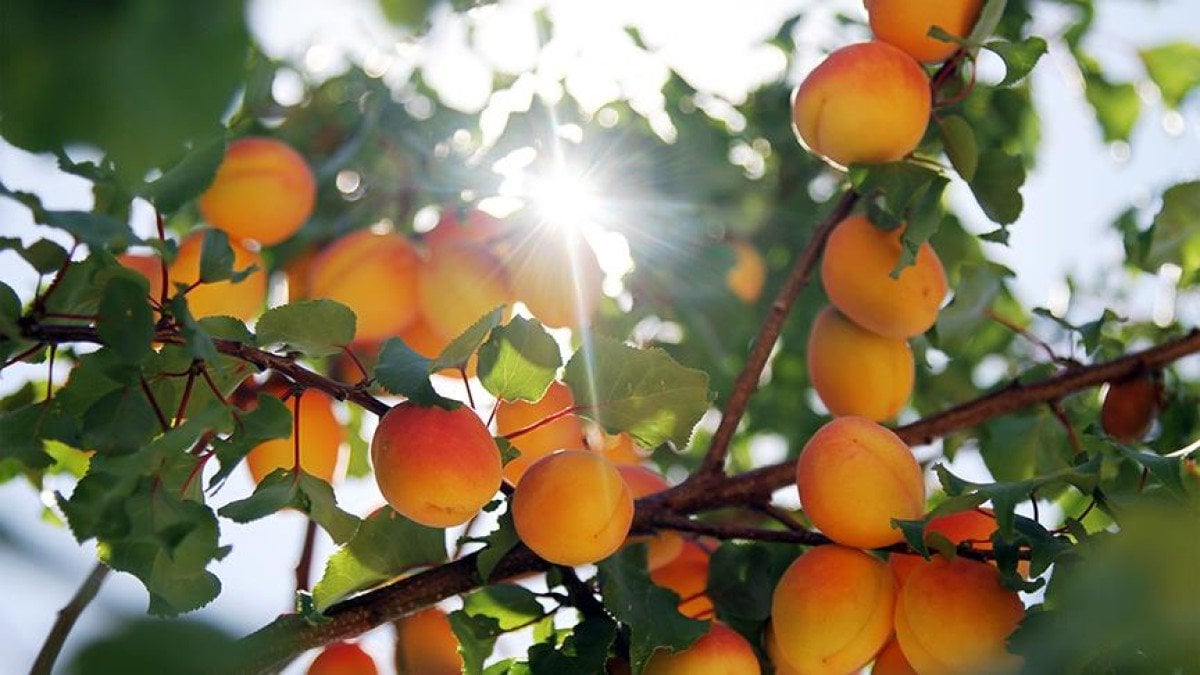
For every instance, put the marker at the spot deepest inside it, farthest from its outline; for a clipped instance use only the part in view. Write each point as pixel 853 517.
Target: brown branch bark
pixel 67 616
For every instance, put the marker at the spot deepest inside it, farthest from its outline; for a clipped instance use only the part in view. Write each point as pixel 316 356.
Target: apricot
pixel 867 103
pixel 721 651
pixel 572 508
pixel 1129 408
pixel 343 658
pixel 857 372
pixel 854 477
pixel 953 616
pixel 749 272
pixel 243 300
pixel 263 190
pixel 832 610
pixel 320 438
pixel 426 645
pixel 782 667
pixel 564 433
pixel 906 23
pixel 856 271
pixel 976 525
pixel 687 576
pixel 434 466
pixel 558 278
pixel 457 284
pixel 474 227
pixel 373 274
pixel 149 266
pixel 665 546
pixel 891 661
pixel 617 448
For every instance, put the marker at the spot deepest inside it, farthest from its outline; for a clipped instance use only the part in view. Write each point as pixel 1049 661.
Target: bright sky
pixel 1076 190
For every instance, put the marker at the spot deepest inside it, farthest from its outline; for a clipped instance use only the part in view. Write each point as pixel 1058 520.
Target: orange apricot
pixel 891 661
pixel 149 266
pixel 1129 408
pixel 782 667
pixel 437 467
pixel 426 645
pixel 665 546
pixel 320 438
pixel 867 103
pixel 572 508
pixel 263 190
pixel 721 651
pixel 749 272
pixel 474 227
pixel 687 576
pixel 457 284
pixel 856 271
pixel 906 23
pixel 976 525
pixel 373 274
pixel 343 658
pixel 243 300
pixel 854 477
pixel 558 278
pixel 563 433
pixel 857 372
pixel 832 610
pixel 953 616
pixel 618 448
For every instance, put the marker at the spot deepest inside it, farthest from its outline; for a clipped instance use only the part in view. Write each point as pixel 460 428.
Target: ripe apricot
pixel 149 266
pixel 564 433
pixel 572 508
pixel 426 645
pixel 891 661
pixel 373 274
pixel 437 467
pixel 1129 408
pixel 857 372
pixel 854 477
pixel 782 667
pixel 953 616
pixel 343 658
pixel 832 610
pixel 557 277
pixel 749 272
pixel 687 576
pixel 320 438
pixel 721 651
pixel 976 525
pixel 856 271
pixel 665 546
pixel 243 300
pixel 867 103
pixel 617 448
pixel 457 284
pixel 263 190
pixel 475 227
pixel 906 23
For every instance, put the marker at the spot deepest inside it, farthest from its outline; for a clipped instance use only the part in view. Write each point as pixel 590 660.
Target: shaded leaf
pixel 312 327
pixel 997 186
pixel 1019 57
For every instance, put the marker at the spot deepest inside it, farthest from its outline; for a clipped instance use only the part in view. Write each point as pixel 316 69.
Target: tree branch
pixel 67 616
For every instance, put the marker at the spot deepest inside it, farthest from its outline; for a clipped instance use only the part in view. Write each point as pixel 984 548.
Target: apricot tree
pixel 567 447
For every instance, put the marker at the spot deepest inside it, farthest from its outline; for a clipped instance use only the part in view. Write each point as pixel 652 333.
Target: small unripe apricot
pixel 687 576
pixel 867 103
pixel 437 467
pixel 457 284
pixel 665 546
pixel 721 651
pixel 572 508
pixel 953 616
pixel 891 661
pixel 149 266
pixel 373 274
pixel 832 610
pixel 243 300
pixel 263 190
pixel 558 278
pixel 1129 408
pixel 857 372
pixel 748 273
pixel 320 438
pixel 426 645
pixel 856 271
pixel 854 477
pixel 343 658
pixel 563 433
pixel 906 23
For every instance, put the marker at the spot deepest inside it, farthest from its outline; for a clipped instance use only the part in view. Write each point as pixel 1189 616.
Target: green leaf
pixel 508 451
pixel 997 186
pixel 742 578
pixel 269 419
pixel 476 639
pixel 120 422
pixel 1019 57
pixel 147 647
pixel 406 13
pixel 1175 233
pixel 512 606
pixel 497 544
pixel 23 432
pixel 385 546
pixel 914 534
pixel 188 179
pixel 97 230
pixel 893 189
pixel 958 138
pixel 650 612
pixel 584 650
pixel 641 391
pixel 1167 470
pixel 312 327
pixel 44 255
pixel 1175 69
pixel 1117 105
pixel 10 312
pixel 924 219
pixel 126 322
pixel 401 370
pixel 306 493
pixel 989 18
pixel 359 464
pixel 216 257
pixel 518 361
pixel 457 352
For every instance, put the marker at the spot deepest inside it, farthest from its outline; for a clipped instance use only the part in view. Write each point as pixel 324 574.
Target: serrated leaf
pixel 308 494
pixel 23 432
pixel 958 139
pixel 188 179
pixel 914 534
pixel 1175 70
pixel 508 451
pixel 460 350
pixel 997 186
pixel 1019 57
pixel 584 650
pixel 497 544
pixel 401 370
pixel 893 190
pixel 97 230
pixel 641 391
pixel 512 606
pixel 1117 105
pixel 125 321
pixel 312 327
pixel 1167 470
pixel 518 361
pixel 216 257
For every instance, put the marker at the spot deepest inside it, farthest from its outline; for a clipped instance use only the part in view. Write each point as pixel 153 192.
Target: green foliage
pixel 518 361
pixel 456 353
pixel 312 327
pixel 1019 57
pixel 496 545
pixel 296 489
pixel 1175 68
pixel 150 647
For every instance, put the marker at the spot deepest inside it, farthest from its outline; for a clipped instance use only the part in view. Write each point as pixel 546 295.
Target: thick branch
pixel 67 616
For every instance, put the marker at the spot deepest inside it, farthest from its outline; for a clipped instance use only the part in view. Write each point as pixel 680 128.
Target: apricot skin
pixel 891 661
pixel 748 273
pixel 373 274
pixel 721 651
pixel 782 667
pixel 953 616
pixel 263 190
pixel 832 610
pixel 343 658
pixel 457 284
pixel 856 271
pixel 558 280
pixel 976 525
pixel 149 266
pixel 1129 408
pixel 854 477
pixel 687 576
pixel 572 508
pixel 617 448
pixel 906 23
pixel 243 300
pixel 320 438
pixel 857 372
pixel 425 644
pixel 867 103
pixel 564 433
pixel 665 546
pixel 437 467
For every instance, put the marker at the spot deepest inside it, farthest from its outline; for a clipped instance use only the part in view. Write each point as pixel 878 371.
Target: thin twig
pixel 162 419
pixel 67 616
pixel 304 564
